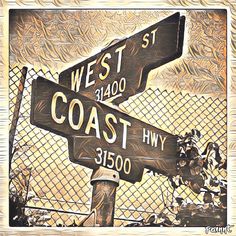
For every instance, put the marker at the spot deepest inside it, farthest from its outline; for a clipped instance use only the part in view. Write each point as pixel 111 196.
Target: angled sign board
pixel 101 136
pixel 121 69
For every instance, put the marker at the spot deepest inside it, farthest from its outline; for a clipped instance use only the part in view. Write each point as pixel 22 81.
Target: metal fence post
pixel 104 181
pixel 16 112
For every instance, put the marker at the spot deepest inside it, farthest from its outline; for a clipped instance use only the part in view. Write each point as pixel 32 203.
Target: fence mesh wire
pixel 58 192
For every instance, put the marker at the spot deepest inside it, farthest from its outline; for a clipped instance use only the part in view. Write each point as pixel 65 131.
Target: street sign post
pixel 120 70
pixel 113 144
pixel 101 136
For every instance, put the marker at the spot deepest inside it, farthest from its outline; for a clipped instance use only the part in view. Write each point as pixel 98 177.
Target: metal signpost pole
pixel 105 182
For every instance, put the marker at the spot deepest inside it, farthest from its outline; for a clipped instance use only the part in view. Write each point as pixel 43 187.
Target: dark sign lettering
pixel 121 69
pixel 101 136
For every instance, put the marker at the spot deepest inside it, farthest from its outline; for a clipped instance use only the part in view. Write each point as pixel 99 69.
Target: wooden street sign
pixel 101 136
pixel 121 69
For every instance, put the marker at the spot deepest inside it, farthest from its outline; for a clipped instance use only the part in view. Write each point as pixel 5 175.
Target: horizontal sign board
pixel 101 136
pixel 121 69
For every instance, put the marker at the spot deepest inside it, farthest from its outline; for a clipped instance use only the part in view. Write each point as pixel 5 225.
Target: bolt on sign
pixel 120 70
pixel 101 136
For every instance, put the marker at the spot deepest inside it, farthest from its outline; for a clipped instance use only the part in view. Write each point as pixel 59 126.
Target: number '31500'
pixel 113 161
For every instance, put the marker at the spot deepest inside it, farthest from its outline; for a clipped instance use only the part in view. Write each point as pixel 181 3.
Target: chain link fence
pixel 55 192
